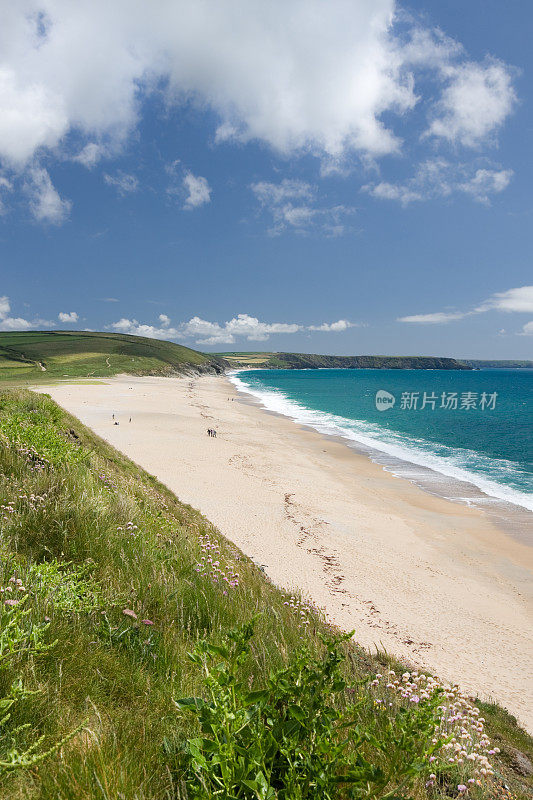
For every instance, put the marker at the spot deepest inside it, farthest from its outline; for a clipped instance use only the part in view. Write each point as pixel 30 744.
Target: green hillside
pixel 38 356
pixel 314 361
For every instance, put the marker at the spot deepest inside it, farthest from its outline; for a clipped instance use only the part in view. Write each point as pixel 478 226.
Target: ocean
pixel 463 435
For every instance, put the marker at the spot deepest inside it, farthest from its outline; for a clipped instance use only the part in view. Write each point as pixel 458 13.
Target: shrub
pixel 297 738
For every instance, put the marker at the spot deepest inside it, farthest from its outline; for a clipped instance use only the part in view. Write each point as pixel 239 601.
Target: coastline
pixel 507 514
pixel 432 581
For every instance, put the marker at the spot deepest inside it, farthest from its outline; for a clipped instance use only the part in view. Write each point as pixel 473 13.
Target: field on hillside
pixel 144 657
pixel 37 356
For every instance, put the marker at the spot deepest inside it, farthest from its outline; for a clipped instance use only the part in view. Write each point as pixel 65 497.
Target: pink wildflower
pixel 11 602
pixel 129 613
pixel 147 622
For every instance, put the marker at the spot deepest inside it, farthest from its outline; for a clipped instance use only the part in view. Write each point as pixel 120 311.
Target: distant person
pixel 130 419
pixel 116 423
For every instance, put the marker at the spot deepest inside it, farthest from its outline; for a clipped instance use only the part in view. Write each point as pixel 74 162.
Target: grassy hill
pixel 144 657
pixel 37 356
pixel 313 361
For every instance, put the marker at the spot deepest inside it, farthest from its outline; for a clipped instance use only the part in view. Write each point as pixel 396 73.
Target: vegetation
pixel 42 356
pixel 310 361
pixel 122 611
pixel 495 364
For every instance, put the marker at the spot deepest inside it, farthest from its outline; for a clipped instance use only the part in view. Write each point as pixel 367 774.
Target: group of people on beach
pixel 211 432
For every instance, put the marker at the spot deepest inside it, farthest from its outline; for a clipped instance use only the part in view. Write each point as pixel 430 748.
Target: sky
pixel 327 176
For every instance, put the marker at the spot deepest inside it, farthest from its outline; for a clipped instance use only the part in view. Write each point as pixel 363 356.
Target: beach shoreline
pixel 508 516
pixel 429 580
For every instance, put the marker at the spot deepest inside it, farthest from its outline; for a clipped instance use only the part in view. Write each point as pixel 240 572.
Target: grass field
pixel 32 356
pixel 108 583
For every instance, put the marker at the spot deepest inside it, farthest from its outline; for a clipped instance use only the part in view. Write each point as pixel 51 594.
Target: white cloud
pixel 45 203
pixel 132 326
pixel 123 183
pixel 438 178
pixel 291 204
pixel 519 300
pixel 67 316
pixel 198 190
pixel 5 186
pixel 436 318
pixel 241 326
pixel 15 324
pixel 90 155
pixel 476 102
pixel 301 77
pixel 527 330
pixel 340 325
pixel 204 332
pixel 486 182
pixel 8 323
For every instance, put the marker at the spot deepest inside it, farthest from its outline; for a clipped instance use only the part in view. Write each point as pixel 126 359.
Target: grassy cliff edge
pixel 108 582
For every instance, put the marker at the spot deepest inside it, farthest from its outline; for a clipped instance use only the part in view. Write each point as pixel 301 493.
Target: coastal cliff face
pixel 312 361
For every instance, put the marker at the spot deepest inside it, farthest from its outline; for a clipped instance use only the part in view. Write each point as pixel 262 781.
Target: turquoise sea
pixel 472 427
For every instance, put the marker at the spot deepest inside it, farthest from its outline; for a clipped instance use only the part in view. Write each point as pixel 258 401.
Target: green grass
pixel 43 356
pixel 88 536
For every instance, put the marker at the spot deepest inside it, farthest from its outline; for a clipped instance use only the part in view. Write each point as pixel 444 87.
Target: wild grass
pixel 110 584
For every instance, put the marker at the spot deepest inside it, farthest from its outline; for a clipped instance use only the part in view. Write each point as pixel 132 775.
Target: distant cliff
pixel 313 361
pixel 508 364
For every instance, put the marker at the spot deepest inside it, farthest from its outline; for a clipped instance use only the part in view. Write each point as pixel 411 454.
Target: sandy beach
pixel 427 579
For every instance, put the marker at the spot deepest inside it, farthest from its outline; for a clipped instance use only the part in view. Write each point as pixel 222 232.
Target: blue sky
pixel 350 176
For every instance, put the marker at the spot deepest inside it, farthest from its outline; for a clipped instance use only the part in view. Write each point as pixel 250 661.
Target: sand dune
pixel 427 579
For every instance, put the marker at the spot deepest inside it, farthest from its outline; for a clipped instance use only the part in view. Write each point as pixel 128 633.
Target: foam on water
pixel 399 452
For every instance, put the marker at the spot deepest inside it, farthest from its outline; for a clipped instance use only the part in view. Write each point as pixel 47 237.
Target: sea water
pixel 443 429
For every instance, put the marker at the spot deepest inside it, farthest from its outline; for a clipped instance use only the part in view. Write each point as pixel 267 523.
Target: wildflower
pixel 461 787
pixel 147 622
pixel 11 602
pixel 129 613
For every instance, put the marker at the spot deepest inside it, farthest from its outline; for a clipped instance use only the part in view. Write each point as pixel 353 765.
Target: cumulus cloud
pixel 68 316
pixel 292 205
pixel 519 300
pixel 475 103
pixel 197 189
pixel 123 183
pixel 298 76
pixel 8 323
pixel 204 332
pixel 340 325
pixel 136 328
pixel 438 178
pixel 527 330
pixel 242 326
pixel 45 203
